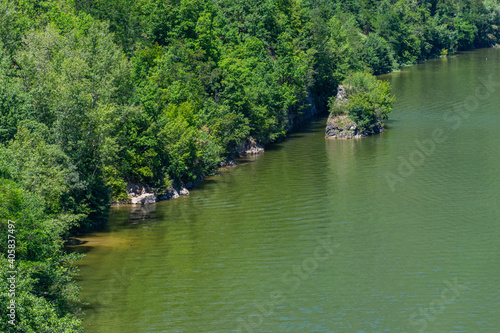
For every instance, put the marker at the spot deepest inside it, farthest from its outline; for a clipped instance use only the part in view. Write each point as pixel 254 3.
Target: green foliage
pixel 41 168
pixel 369 101
pixel 377 54
pixel 45 293
pixel 98 93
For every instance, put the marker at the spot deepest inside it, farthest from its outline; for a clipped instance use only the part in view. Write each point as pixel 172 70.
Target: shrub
pixel 369 101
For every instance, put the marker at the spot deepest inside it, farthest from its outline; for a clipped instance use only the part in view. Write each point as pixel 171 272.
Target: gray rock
pixel 341 94
pixel 254 150
pixel 184 191
pixel 250 147
pixel 144 199
pixel 342 127
pixel 172 193
pixel 228 163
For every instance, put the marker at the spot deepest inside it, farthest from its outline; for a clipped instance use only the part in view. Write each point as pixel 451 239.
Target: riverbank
pixel 140 193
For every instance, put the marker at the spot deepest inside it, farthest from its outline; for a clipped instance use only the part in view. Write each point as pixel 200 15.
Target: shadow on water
pixel 310 126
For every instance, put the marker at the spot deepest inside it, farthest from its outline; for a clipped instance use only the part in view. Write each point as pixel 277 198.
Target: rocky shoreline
pixel 143 194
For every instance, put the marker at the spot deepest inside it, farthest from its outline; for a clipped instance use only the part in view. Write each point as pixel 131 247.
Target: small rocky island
pixel 360 107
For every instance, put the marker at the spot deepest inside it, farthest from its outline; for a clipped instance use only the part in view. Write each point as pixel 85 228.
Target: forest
pixel 95 94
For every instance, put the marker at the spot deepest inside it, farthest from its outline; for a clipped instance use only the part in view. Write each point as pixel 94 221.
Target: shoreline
pixel 144 194
pixel 250 147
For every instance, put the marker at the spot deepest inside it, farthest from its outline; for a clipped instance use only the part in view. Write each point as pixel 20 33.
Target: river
pixel 397 232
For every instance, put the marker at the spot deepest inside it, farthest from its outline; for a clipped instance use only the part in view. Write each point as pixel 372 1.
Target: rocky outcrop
pixel 170 194
pixel 142 194
pixel 144 199
pixel 342 126
pixel 341 97
pixel 250 147
pixel 136 189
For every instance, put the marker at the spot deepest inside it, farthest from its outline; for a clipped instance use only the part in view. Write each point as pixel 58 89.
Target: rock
pixel 343 127
pixel 250 147
pixel 172 193
pixel 228 163
pixel 141 194
pixel 254 150
pixel 341 94
pixel 144 199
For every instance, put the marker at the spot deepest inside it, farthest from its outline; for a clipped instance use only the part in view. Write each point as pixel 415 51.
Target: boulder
pixel 144 199
pixel 170 194
pixel 143 194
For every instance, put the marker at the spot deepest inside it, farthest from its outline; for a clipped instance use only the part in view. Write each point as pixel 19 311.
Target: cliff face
pixel 309 111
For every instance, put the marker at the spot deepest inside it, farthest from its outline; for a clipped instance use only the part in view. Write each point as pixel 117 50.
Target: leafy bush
pixel 368 102
pixel 45 294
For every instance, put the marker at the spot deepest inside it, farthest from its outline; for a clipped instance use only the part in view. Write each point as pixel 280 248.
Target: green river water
pixel 397 232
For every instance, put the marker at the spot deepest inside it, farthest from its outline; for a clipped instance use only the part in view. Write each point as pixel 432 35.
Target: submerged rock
pixel 228 163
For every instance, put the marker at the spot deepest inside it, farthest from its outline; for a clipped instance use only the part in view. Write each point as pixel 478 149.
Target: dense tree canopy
pixel 98 93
